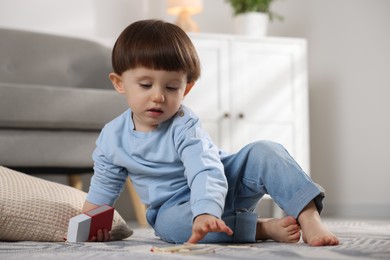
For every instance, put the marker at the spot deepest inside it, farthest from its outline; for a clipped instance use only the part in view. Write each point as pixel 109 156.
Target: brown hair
pixel 158 45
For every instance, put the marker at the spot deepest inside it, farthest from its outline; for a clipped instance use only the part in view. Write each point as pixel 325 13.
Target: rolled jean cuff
pixel 245 228
pixel 298 202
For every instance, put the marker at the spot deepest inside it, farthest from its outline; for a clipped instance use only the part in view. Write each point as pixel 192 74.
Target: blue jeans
pixel 259 168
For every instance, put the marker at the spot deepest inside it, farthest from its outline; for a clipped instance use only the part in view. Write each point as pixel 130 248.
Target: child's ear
pixel 188 88
pixel 117 82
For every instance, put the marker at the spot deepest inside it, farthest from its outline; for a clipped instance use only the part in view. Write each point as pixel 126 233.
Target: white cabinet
pixel 253 89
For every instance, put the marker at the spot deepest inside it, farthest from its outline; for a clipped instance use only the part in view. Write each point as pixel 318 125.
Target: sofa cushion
pixel 45 59
pixel 51 149
pixel 39 210
pixel 53 107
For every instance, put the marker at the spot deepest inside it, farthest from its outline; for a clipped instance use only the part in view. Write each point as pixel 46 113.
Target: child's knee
pixel 173 225
pixel 266 150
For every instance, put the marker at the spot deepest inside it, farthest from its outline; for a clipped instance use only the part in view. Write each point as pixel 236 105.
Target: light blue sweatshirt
pixel 177 155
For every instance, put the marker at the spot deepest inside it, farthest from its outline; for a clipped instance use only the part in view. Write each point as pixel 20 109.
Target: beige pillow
pixel 39 210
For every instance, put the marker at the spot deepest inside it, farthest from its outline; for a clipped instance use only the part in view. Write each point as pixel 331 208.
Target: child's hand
pixel 101 236
pixel 204 224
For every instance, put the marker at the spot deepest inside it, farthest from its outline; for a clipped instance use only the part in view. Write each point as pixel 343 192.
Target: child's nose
pixel 158 97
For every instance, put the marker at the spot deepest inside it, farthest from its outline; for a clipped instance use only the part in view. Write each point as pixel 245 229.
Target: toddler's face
pixel 154 96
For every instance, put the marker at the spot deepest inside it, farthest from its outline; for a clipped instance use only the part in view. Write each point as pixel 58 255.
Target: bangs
pixel 157 53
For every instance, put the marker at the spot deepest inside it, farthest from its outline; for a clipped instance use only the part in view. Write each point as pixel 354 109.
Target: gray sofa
pixel 55 96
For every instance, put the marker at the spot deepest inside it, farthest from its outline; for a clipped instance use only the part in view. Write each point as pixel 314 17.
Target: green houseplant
pixel 260 6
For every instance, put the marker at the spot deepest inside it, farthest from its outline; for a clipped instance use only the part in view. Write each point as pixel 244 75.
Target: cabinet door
pixel 269 95
pixel 208 98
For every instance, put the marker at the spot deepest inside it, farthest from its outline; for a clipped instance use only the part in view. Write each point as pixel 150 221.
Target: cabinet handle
pixel 241 115
pixel 226 115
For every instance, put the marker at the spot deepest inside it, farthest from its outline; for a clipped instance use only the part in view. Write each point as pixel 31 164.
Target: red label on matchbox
pixel 101 218
pixel 84 226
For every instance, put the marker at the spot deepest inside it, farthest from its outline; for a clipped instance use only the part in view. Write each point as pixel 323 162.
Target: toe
pixel 288 221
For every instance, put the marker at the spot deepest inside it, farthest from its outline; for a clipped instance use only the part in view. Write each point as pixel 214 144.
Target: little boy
pixel 194 191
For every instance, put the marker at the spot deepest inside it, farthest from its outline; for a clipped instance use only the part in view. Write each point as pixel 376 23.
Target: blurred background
pixel 349 79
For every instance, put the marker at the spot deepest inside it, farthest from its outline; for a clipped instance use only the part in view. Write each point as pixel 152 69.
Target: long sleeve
pixel 108 179
pixel 203 169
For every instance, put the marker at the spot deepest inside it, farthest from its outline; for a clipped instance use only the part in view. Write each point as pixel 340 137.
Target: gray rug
pixel 359 240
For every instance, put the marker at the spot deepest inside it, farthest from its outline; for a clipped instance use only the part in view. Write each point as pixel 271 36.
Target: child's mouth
pixel 155 112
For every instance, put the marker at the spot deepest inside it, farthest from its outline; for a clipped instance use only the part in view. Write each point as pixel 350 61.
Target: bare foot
pixel 282 230
pixel 314 232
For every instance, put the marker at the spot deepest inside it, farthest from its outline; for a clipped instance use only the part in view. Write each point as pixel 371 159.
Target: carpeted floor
pixel 359 240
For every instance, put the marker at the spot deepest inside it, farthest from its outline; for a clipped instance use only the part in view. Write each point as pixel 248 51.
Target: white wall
pixel 349 78
pixel 61 17
pixel 101 20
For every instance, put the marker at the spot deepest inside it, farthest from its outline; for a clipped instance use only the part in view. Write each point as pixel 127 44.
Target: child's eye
pixel 145 85
pixel 172 88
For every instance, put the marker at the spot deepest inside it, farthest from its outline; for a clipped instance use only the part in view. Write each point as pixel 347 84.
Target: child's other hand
pixel 204 224
pixel 101 236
